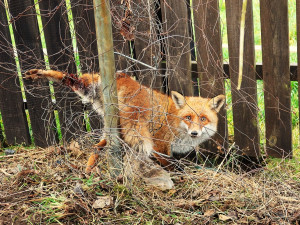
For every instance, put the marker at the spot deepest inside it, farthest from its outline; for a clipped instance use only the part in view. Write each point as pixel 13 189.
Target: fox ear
pixel 217 102
pixel 178 99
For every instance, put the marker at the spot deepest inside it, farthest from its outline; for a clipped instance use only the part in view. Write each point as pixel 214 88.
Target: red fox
pixel 153 122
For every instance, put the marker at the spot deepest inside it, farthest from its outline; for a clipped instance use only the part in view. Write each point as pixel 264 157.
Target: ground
pixel 49 186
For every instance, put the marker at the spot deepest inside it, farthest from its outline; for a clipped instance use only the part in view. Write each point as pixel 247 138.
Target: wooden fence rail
pixel 160 35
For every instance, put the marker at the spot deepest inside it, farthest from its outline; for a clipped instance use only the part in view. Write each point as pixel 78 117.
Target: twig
pixel 135 60
pixel 227 153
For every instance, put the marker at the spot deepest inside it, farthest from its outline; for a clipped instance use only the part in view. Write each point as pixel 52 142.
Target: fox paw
pixel 101 144
pixel 34 74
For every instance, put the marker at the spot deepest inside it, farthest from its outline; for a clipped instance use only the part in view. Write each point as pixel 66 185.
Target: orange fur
pixel 94 157
pixel 88 79
pixel 91 162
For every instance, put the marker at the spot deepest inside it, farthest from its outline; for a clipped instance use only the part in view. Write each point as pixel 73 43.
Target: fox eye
pixel 203 118
pixel 188 117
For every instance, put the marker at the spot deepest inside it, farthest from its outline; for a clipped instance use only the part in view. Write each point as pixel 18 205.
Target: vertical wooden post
pixel 276 73
pixel 177 46
pixel 244 101
pixel 210 61
pixel 147 48
pixel 108 82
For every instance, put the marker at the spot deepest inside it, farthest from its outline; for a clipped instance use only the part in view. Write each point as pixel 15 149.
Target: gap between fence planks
pixel 298 48
pixel 1 137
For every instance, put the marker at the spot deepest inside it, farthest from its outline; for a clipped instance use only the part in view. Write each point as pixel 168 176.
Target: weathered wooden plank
pixel 11 101
pixel 84 21
pixel 209 47
pixel 244 101
pixel 30 55
pixel 146 44
pixel 298 47
pixel 121 44
pixel 61 57
pixel 83 15
pixel 210 60
pixel 177 46
pixel 275 53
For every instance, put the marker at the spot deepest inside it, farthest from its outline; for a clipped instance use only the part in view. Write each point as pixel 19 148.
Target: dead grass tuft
pixel 44 186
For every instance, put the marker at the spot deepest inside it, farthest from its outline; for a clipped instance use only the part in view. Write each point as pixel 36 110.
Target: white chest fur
pixel 185 144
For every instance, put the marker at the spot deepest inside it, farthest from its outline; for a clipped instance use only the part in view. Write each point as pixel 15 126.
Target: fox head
pixel 198 116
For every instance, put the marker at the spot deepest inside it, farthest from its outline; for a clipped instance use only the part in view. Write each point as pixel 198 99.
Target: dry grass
pixel 49 186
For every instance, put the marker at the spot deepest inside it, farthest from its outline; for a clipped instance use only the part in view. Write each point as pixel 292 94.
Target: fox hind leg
pixel 94 156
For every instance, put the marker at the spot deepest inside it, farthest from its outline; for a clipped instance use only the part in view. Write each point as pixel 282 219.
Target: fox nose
pixel 194 133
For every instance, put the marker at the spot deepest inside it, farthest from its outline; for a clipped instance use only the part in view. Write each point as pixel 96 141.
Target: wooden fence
pixel 165 45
